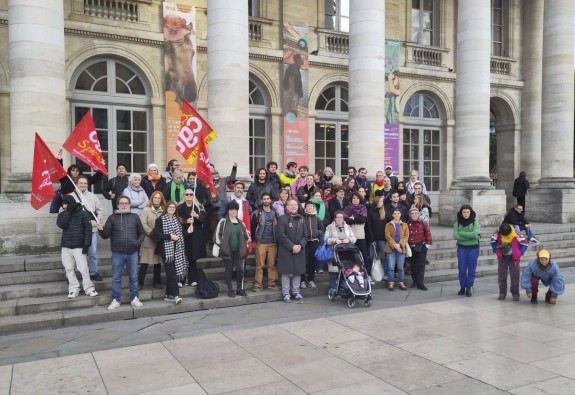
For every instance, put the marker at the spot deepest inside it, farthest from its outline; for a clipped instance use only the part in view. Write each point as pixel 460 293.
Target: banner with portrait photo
pixel 295 93
pixel 180 71
pixel 392 131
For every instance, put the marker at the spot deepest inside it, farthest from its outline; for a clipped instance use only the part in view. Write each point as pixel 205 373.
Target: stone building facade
pixel 465 67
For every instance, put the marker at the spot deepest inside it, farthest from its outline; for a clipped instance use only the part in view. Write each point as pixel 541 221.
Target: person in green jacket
pixel 232 237
pixel 466 233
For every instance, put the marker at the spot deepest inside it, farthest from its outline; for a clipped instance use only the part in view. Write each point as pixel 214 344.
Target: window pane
pixel 406 151
pixel 256 96
pixel 103 139
pixel 435 184
pixel 344 7
pixel 427 137
pixel 427 153
pixel 122 87
pixel 330 132
pixel 435 153
pixel 319 131
pixel 435 137
pixel 344 24
pixel 426 37
pixel 496 49
pixel 124 141
pixel 137 86
pixel 140 121
pixel 428 5
pixel 126 158
pixel 140 163
pixel 123 120
pixel 497 17
pixel 259 146
pixel 100 116
pixel 330 149
pixel 259 128
pixel 101 85
pixel 428 21
pixel 140 142
pixel 415 136
pixel 331 163
pixel 415 4
pixel 320 149
pixel 344 150
pixel 497 34
pixel 319 164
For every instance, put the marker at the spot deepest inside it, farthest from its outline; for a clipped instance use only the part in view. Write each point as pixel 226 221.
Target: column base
pixel 488 204
pixel 551 205
pixel 475 183
pixel 18 184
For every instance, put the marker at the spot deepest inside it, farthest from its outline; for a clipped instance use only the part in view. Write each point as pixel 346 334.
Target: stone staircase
pixel 33 289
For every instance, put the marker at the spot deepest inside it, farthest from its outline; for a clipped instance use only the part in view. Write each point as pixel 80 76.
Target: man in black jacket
pixel 516 217
pixel 115 186
pixel 127 234
pixel 76 240
pixel 260 186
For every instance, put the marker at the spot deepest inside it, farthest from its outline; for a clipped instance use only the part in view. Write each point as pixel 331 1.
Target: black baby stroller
pixel 345 256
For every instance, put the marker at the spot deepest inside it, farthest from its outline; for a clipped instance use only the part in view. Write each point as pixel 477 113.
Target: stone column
pixel 228 83
pixel 471 183
pixel 367 84
pixel 531 98
pixel 37 83
pixel 556 187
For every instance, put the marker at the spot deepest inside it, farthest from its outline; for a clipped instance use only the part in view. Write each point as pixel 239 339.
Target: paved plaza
pixel 410 342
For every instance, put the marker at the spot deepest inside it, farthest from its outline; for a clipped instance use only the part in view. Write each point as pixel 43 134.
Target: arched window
pixel 118 97
pixel 422 140
pixel 259 125
pixel 331 129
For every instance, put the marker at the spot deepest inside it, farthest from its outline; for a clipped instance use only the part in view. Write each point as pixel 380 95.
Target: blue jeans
pixel 396 259
pixel 467 265
pixel 120 261
pixel 333 280
pixel 92 256
pixel 380 247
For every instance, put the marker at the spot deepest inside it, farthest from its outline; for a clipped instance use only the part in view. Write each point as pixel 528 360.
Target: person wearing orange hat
pixel 543 269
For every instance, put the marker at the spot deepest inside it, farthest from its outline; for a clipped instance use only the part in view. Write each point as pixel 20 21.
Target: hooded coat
pixel 466 231
pixel 290 231
pixel 550 276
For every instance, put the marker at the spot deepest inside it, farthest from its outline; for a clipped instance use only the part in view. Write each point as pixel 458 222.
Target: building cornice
pixel 114 37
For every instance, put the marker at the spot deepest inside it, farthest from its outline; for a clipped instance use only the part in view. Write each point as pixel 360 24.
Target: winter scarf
pixel 465 222
pixel 379 183
pixel 174 251
pixel 173 192
pixel 355 210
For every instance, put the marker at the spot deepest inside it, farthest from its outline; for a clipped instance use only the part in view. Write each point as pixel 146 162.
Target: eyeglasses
pixel 123 203
pixel 188 194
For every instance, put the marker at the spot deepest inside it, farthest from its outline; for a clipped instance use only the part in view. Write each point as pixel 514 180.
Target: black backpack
pixel 206 289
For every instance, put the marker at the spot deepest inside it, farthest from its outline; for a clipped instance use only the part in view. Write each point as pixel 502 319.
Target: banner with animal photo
pixel 295 93
pixel 180 71
pixel 392 130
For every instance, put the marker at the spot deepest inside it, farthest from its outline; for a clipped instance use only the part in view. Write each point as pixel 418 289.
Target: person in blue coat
pixel 547 271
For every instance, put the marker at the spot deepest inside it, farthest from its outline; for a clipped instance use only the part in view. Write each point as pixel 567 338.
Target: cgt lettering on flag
pixel 84 144
pixel 192 128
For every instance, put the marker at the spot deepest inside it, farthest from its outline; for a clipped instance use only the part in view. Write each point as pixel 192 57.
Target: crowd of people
pixel 171 219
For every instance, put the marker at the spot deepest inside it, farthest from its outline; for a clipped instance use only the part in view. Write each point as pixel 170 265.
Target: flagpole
pixel 83 201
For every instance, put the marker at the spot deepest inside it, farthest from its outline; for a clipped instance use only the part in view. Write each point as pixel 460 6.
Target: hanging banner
pixel 392 132
pixel 295 97
pixel 180 71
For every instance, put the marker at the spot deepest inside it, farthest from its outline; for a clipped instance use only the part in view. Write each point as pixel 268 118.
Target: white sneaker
pixel 298 297
pixel 194 284
pixel 303 285
pixel 73 295
pixel 177 300
pixel 114 305
pixel 312 284
pixel 92 293
pixel 136 302
pixel 180 285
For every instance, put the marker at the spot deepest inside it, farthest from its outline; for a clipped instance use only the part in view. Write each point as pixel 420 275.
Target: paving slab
pixel 555 386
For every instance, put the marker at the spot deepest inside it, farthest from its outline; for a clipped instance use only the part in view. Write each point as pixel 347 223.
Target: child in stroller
pixel 354 274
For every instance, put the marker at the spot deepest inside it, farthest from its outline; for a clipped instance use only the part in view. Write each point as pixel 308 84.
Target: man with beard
pixel 292 237
pixel 300 181
pixel 127 234
pixel 273 178
pixel 392 179
pixel 259 187
pixel 169 174
pixel 361 181
pixel 264 220
pixel 238 196
pixel 288 176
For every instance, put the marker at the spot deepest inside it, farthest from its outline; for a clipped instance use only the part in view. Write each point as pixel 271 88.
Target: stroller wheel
pixel 367 303
pixel 330 295
pixel 351 302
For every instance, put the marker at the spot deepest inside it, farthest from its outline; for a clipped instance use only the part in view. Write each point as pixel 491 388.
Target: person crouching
pixel 543 269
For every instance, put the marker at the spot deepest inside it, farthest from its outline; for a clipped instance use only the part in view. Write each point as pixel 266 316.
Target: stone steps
pixel 33 291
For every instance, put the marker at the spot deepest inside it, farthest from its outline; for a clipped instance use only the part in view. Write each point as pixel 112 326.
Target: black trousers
pixel 144 269
pixel 310 261
pixel 229 263
pixel 172 288
pixel 417 264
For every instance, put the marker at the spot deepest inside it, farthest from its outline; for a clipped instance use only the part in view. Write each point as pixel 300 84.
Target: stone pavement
pixel 411 342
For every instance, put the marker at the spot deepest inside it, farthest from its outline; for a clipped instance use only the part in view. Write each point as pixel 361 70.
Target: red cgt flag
pixel 192 127
pixel 203 170
pixel 83 143
pixel 45 170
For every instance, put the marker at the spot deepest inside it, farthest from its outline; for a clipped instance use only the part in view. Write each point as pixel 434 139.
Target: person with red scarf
pixel 377 185
pixel 419 242
pixel 153 181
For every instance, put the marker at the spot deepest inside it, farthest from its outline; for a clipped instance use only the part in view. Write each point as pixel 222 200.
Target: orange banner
pixel 192 128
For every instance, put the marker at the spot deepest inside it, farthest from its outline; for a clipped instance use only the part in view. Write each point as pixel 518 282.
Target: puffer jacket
pixel 77 230
pixel 125 231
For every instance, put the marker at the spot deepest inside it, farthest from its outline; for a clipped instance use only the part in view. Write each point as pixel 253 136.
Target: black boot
pixel 461 292
pixel 142 274
pixel 534 300
pixel 468 292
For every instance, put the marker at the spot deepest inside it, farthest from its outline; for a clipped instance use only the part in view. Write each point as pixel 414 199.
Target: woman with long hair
pixel 377 221
pixel 280 204
pixel 168 232
pixel 149 215
pixel 192 216
pixel 466 234
pixel 421 204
